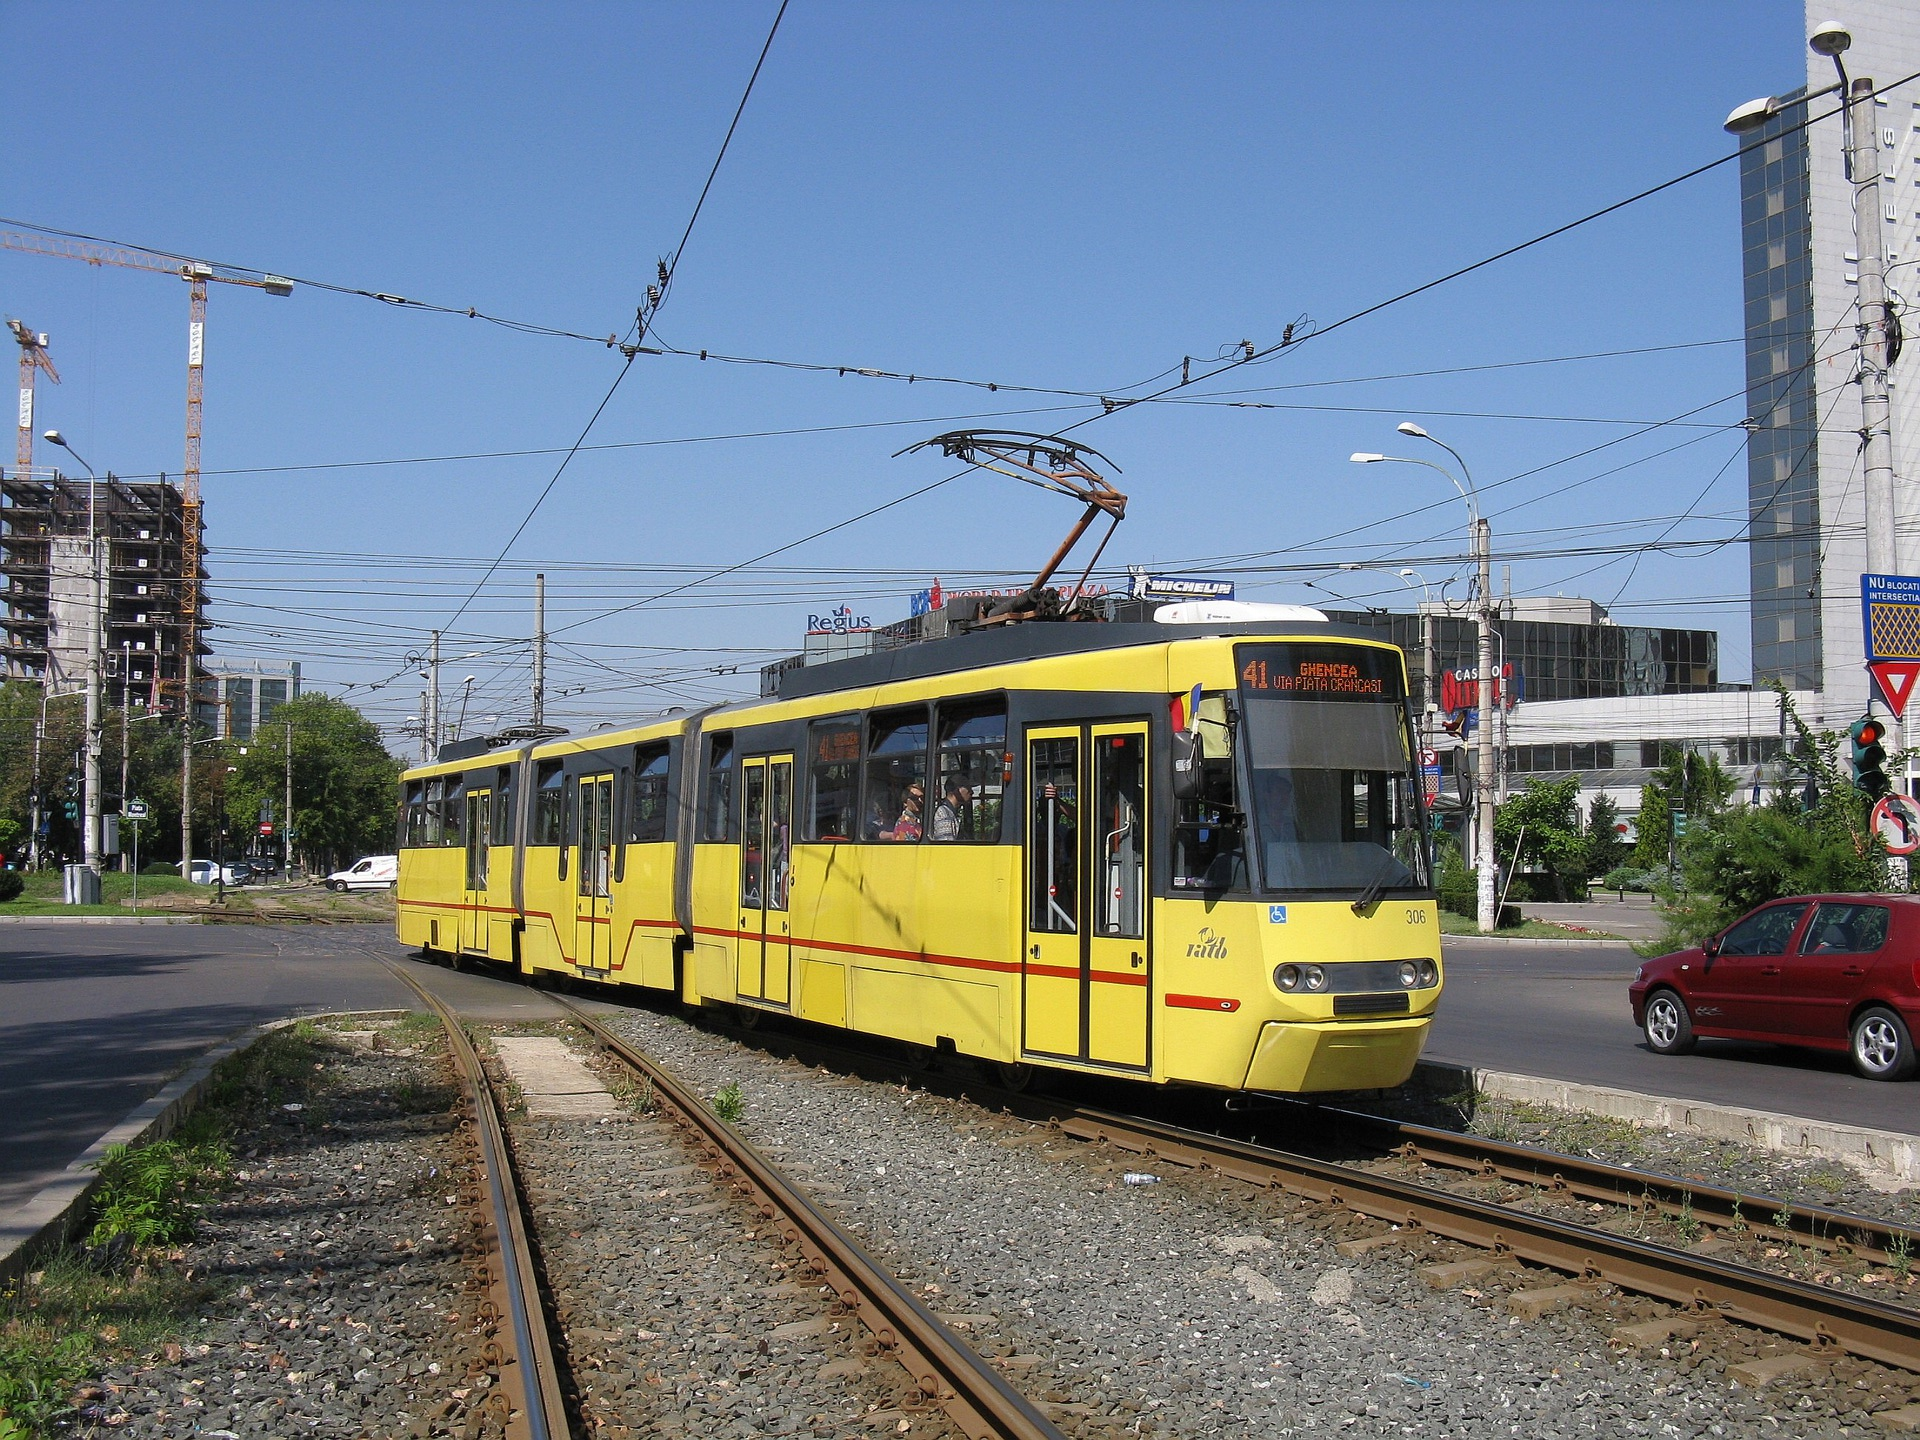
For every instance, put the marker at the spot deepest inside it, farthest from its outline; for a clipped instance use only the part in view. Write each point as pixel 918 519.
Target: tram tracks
pixel 522 1345
pixel 1699 1286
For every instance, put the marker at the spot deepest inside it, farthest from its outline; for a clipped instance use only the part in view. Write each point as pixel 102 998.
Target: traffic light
pixel 1869 755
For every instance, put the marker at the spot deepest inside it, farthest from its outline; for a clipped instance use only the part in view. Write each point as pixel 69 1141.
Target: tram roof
pixel 1035 640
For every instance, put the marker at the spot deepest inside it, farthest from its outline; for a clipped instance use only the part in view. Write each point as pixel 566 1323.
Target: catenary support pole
pixel 433 700
pixel 126 679
pixel 1484 860
pixel 539 649
pixel 90 842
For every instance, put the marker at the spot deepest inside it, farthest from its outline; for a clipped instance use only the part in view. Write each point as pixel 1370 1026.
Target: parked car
pixel 376 872
pixel 1828 972
pixel 209 872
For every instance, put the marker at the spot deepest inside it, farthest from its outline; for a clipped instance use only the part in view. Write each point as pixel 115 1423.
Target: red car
pixel 1830 972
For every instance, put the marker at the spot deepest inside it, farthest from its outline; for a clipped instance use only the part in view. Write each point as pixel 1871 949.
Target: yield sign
pixel 1896 679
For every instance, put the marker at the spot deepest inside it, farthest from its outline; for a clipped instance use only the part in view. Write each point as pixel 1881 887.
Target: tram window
pixel 549 786
pixel 896 792
pixel 1054 848
pixel 1120 837
pixel 973 769
pixel 435 808
pixel 502 826
pixel 647 812
pixel 833 779
pixel 455 811
pixel 1209 834
pixel 415 826
pixel 720 821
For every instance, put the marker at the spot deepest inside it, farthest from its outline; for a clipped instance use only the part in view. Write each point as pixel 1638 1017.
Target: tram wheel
pixel 1015 1075
pixel 747 1017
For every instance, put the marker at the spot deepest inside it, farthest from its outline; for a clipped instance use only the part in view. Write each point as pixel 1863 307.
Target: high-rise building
pixel 1805 496
pixel 48 597
pixel 232 700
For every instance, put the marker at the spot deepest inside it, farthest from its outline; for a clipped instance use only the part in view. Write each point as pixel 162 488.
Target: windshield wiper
pixel 1377 884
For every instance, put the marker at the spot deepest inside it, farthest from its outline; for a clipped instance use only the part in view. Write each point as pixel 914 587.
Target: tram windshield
pixel 1331 761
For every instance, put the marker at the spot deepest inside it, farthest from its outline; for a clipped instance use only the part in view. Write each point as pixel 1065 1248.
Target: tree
pixel 1541 826
pixel 345 783
pixel 1812 837
pixel 1605 848
pixel 1687 782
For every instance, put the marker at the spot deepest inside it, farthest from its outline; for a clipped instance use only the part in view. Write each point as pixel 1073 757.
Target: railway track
pixel 1757 1217
pixel 1702 1286
pixel 522 1345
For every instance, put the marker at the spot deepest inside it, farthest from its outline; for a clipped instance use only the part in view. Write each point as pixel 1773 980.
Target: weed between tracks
pixel 125 1290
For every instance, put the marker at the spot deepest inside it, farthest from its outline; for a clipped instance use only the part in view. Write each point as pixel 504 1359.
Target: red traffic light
pixel 1870 732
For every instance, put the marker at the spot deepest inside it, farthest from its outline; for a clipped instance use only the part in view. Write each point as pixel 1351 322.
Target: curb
pixel 1595 944
pixel 99 919
pixel 1886 1159
pixel 50 1217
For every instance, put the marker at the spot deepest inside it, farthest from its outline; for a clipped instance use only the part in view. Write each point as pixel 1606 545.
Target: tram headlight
pixel 1409 974
pixel 1429 974
pixel 1315 977
pixel 1287 977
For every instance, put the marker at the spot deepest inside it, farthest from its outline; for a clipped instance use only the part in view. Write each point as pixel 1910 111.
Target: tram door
pixel 474 919
pixel 1087 979
pixel 593 905
pixel 766 830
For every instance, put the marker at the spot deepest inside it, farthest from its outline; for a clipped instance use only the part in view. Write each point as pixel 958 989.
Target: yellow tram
pixel 1189 853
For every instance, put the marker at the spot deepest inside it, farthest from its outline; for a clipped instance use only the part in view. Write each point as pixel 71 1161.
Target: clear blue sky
pixel 1059 195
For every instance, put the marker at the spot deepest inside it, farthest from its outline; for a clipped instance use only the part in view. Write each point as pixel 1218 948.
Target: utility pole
pixel 186 752
pixel 539 649
pixel 286 823
pixel 33 789
pixel 126 679
pixel 433 700
pixel 1485 860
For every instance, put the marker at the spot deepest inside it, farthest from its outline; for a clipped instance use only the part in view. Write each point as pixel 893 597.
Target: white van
pixel 376 872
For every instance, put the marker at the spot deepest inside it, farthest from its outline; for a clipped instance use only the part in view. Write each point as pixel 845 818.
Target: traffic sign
pixel 1896 678
pixel 266 827
pixel 1896 820
pixel 1890 616
pixel 137 810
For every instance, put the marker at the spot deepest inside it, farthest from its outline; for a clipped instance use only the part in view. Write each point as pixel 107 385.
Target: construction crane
pixel 33 359
pixel 196 273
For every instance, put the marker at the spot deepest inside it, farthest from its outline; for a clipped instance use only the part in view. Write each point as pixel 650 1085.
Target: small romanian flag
pixel 1185 711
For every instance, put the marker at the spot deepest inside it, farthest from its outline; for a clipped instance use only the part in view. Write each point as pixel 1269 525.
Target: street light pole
pixel 90 840
pixel 1485 858
pixel 126 680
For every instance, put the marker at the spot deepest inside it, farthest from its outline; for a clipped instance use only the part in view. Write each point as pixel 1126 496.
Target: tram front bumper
pixel 1335 1055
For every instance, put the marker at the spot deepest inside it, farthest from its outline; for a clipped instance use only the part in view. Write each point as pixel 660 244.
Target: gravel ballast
pixel 685 1313
pixel 334 1265
pixel 1198 1305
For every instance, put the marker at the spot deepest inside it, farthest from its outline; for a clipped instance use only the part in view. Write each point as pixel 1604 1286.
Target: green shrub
pixel 1627 877
pixel 148 1194
pixel 12 882
pixel 37 1382
pixel 731 1103
pixel 161 867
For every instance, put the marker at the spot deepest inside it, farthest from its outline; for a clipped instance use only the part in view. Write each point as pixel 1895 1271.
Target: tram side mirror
pixel 1187 778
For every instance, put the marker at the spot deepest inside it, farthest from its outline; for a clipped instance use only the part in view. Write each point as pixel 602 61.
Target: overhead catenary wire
pixel 656 296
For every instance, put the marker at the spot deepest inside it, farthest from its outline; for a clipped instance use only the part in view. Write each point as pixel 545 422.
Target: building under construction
pixel 148 555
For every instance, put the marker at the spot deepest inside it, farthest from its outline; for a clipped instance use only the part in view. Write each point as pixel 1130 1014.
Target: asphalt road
pixel 1561 1011
pixel 94 1019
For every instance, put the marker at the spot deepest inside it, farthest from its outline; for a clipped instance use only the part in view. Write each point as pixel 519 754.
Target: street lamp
pixel 90 841
pixel 466 694
pixel 1484 858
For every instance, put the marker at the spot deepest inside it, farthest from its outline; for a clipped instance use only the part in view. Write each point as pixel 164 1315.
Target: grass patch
pixel 731 1102
pixel 128 1290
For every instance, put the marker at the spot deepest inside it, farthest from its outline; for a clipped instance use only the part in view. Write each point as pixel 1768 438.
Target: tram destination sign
pixel 1319 672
